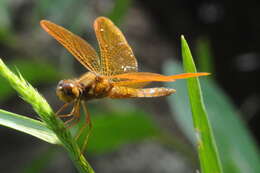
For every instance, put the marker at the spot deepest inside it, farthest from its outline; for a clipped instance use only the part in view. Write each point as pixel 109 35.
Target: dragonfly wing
pixel 116 55
pixel 131 83
pixel 78 47
pixel 153 77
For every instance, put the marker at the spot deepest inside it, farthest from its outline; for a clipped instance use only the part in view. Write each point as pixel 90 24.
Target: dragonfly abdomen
pixel 125 92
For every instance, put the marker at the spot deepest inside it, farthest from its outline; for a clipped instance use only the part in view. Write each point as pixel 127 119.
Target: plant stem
pixel 43 109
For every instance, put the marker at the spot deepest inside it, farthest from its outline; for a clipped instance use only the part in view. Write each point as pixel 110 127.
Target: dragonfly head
pixel 68 90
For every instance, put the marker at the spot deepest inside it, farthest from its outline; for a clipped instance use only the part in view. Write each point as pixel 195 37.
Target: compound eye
pixel 60 85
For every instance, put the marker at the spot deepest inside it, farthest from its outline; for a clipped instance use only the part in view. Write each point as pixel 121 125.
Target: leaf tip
pixel 183 42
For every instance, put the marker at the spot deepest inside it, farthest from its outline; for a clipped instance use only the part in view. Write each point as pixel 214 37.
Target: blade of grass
pixel 43 109
pixel 238 153
pixel 27 125
pixel 208 153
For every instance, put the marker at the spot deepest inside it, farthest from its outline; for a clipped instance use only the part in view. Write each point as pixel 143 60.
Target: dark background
pixel 233 31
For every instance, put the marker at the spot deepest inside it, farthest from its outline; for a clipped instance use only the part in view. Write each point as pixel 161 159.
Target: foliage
pixel 237 150
pixel 208 152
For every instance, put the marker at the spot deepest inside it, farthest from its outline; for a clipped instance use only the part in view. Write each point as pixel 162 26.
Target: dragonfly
pixel 112 74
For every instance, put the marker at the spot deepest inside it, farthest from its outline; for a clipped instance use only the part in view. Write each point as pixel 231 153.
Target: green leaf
pixel 238 153
pixel 116 129
pixel 27 125
pixel 119 11
pixel 208 153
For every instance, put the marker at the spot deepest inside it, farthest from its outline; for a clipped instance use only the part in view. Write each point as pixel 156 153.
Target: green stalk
pixel 43 109
pixel 207 149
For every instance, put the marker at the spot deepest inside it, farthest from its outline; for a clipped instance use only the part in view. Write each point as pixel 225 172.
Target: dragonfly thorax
pixel 94 86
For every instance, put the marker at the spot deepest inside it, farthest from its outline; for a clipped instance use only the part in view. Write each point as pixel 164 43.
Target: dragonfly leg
pixel 75 113
pixel 88 122
pixel 72 122
pixel 61 109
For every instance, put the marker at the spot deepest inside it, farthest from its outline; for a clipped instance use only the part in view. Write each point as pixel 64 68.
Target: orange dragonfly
pixel 113 74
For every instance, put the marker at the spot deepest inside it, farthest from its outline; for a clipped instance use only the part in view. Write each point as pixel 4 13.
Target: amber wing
pixel 144 78
pixel 78 47
pixel 116 55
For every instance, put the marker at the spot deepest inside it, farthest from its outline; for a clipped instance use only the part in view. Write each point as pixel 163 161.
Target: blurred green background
pixel 139 135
